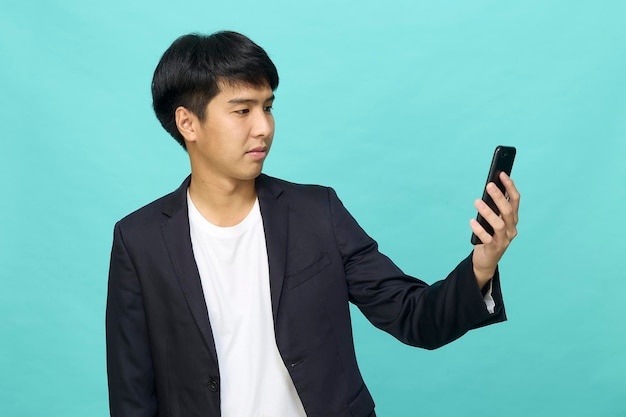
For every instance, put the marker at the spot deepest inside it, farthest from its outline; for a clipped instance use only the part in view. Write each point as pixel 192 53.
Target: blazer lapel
pixel 178 242
pixel 275 223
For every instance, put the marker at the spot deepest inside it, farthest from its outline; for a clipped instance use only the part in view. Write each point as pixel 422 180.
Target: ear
pixel 186 123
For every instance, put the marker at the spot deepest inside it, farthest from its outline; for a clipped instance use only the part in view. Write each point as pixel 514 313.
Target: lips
pixel 258 149
pixel 258 152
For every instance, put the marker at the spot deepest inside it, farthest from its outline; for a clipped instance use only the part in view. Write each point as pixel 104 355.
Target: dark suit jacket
pixel 160 352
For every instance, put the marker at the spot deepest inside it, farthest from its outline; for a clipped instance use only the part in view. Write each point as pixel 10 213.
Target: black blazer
pixel 161 356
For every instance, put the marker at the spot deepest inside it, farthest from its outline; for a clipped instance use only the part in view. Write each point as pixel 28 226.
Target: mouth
pixel 258 152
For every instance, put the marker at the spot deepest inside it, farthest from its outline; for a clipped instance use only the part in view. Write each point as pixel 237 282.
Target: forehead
pixel 229 90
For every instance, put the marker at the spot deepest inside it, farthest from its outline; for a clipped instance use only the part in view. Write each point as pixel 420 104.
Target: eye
pixel 268 109
pixel 242 111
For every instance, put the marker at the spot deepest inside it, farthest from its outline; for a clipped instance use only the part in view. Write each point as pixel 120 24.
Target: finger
pixel 503 233
pixel 494 220
pixel 508 228
pixel 504 206
pixel 512 192
pixel 480 231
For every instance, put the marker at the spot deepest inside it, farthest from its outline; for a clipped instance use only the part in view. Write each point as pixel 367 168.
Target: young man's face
pixel 235 137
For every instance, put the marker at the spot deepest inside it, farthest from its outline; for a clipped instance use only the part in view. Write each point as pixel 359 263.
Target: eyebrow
pixel 250 101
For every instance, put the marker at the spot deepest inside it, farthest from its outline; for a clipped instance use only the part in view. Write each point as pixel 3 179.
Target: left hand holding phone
pixel 487 255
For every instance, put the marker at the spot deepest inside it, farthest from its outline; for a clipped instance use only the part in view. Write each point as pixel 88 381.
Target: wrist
pixel 483 276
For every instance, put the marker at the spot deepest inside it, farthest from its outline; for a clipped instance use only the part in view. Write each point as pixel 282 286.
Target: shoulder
pixel 306 197
pixel 309 200
pixel 155 212
pixel 279 187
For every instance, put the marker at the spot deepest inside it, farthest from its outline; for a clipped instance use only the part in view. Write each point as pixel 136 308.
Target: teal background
pixel 397 105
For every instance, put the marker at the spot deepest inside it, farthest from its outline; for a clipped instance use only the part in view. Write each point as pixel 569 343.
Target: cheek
pixel 231 134
pixel 270 139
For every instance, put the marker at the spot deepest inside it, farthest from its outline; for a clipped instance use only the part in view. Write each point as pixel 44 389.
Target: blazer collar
pixel 275 214
pixel 177 200
pixel 274 211
pixel 178 241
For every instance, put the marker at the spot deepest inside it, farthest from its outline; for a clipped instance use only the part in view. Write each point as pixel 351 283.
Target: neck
pixel 224 203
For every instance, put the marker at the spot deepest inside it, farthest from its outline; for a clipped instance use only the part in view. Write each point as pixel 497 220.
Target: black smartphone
pixel 503 158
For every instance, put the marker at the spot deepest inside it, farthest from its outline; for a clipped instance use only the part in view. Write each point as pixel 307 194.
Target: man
pixel 230 295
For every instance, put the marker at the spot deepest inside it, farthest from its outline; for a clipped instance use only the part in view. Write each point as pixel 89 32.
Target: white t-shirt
pixel 234 271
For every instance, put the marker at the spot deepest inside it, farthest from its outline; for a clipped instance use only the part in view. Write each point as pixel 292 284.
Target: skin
pixel 228 148
pixel 487 255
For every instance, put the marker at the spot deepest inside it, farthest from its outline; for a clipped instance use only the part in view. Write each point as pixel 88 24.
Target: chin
pixel 250 175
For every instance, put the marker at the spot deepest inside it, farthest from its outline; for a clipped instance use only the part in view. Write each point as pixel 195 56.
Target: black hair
pixel 191 69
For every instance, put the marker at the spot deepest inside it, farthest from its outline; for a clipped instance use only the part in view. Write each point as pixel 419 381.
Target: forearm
pixel 407 308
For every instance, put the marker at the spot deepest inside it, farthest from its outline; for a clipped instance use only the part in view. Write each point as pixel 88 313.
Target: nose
pixel 263 125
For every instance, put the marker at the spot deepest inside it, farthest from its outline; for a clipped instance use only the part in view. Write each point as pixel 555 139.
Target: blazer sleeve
pixel 414 312
pixel 129 362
